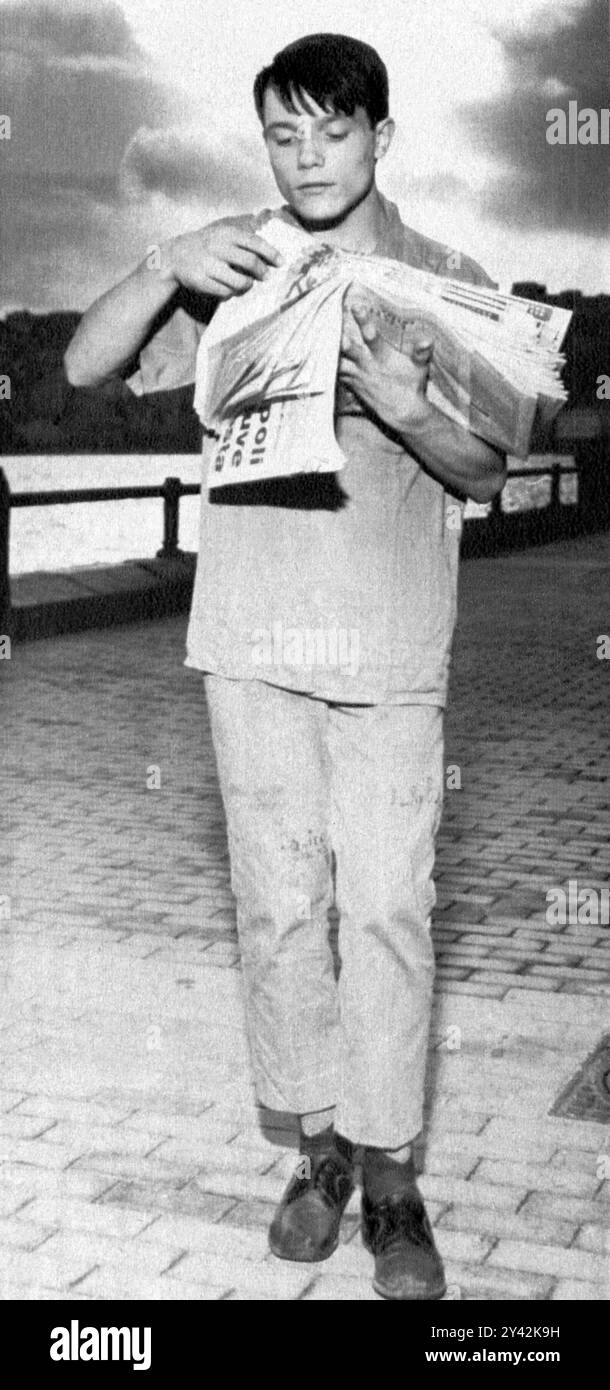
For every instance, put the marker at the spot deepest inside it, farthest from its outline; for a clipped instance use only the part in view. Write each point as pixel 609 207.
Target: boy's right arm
pixel 220 260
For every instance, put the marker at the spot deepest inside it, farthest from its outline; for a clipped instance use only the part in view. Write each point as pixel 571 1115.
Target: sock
pixel 384 1175
pixel 321 1141
pixel 401 1155
pixel 315 1122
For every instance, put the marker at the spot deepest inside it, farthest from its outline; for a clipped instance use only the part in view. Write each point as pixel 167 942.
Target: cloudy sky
pixel 133 120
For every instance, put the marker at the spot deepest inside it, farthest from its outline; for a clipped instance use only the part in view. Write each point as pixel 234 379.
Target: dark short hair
pixel 340 74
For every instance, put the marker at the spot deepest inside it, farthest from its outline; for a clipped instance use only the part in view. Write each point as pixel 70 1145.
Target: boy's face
pixel 324 164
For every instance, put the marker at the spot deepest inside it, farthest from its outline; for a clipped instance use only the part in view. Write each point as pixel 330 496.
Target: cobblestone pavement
pixel 134 1165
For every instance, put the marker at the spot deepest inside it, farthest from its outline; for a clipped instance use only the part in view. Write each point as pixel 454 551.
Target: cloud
pixel 102 186
pixel 539 186
pixel 441 187
pixel 104 157
pixel 133 121
pixel 184 164
pixel 73 30
pixel 77 87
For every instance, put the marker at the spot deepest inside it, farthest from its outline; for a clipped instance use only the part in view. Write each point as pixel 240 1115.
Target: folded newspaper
pixel 267 365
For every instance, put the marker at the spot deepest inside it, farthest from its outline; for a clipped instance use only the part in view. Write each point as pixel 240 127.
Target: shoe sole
pixel 313 1259
pixel 432 1297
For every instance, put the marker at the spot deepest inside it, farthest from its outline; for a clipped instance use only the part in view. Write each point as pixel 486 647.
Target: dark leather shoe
pixel 397 1231
pixel 306 1223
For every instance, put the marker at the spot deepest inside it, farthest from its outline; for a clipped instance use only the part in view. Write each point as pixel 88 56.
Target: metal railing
pixel 498 530
pixel 170 491
pixel 500 527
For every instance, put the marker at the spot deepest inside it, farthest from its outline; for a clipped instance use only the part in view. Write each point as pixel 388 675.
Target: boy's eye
pixel 284 140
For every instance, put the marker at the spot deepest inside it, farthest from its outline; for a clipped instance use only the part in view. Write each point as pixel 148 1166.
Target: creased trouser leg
pixel 273 774
pixel 299 777
pixel 386 798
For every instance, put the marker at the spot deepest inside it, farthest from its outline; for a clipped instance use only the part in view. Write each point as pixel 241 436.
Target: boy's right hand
pixel 222 259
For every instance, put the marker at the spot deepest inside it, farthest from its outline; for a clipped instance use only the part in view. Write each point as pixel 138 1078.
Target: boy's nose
pixel 309 154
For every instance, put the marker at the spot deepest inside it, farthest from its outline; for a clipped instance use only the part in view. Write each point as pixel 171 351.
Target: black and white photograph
pixel 305 664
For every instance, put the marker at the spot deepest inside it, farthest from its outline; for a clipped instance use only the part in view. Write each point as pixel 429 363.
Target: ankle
pixel 328 1142
pixel 320 1143
pixel 400 1155
pixel 383 1174
pixel 315 1122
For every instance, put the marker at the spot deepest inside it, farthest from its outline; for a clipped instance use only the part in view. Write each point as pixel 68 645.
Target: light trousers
pixel 300 778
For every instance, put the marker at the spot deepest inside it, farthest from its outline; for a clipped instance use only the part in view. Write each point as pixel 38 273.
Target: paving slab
pixel 132 1155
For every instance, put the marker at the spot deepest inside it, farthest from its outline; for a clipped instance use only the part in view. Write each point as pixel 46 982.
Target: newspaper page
pixel 267 367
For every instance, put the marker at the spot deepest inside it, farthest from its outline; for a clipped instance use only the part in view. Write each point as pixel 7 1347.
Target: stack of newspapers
pixel 267 365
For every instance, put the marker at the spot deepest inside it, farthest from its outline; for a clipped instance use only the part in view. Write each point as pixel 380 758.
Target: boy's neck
pixel 360 230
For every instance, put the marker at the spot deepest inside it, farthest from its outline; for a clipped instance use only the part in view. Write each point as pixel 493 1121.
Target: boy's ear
pixel 384 134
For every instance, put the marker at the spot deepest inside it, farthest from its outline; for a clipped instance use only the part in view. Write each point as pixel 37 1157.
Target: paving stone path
pixel 133 1160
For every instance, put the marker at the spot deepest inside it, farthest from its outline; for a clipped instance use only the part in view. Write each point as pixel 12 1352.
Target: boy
pixel 322 759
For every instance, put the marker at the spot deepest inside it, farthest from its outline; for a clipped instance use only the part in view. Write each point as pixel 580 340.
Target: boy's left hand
pixel 391 384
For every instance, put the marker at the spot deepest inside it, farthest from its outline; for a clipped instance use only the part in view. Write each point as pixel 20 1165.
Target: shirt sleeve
pixel 167 359
pixel 470 270
pixel 458 266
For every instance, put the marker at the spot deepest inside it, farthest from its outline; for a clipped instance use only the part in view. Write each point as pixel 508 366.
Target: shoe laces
pixel 399 1217
pixel 330 1176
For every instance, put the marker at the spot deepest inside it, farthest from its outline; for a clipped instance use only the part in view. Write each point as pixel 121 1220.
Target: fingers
pixel 226 281
pixel 422 351
pixel 358 334
pixel 222 259
pixel 247 262
pixel 347 370
pixel 346 363
pixel 250 241
pixel 366 323
pixel 351 343
pixel 250 255
pixel 350 348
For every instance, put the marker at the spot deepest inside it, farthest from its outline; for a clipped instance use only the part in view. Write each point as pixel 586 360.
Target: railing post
pixel 171 506
pixel 556 513
pixel 5 583
pixel 494 522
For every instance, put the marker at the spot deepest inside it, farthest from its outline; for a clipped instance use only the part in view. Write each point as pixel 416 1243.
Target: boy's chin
pixel 321 219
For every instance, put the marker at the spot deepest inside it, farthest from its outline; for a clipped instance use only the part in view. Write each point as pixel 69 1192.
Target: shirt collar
pixel 391 231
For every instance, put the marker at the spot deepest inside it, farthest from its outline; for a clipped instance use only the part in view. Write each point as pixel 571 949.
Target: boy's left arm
pixel 461 461
pixel 393 386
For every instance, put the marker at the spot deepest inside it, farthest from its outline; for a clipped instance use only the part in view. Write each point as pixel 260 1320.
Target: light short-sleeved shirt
pixel 340 585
